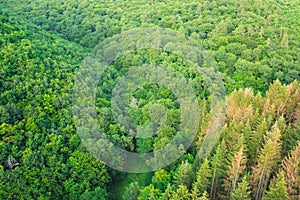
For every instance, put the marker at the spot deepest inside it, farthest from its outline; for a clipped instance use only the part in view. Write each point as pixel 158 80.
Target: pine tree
pixel 132 192
pixel 290 166
pixel 278 189
pixel 167 194
pixel 242 191
pixel 203 177
pixel 293 106
pixel 238 165
pixel 232 136
pixel 233 110
pixel 182 193
pixel 267 161
pixel 195 193
pixel 255 143
pixel 204 196
pixel 276 99
pixel 184 176
pixel 217 170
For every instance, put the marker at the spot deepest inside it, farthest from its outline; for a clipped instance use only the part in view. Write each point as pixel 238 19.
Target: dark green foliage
pixel 132 192
pixel 37 134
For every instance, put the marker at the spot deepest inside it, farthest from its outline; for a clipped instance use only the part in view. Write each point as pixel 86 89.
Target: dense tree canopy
pixel 254 45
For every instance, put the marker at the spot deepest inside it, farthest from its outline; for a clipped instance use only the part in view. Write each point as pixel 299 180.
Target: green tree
pixel 184 174
pixel 167 194
pixel 203 177
pixel 149 192
pixel 217 170
pixel 204 196
pixel 195 193
pixel 267 161
pixel 132 191
pixel 181 193
pixel 161 179
pixel 242 191
pixel 277 189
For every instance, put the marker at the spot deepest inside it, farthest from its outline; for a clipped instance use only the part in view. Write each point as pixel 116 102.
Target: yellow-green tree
pixel 266 162
pixel 242 191
pixel 277 189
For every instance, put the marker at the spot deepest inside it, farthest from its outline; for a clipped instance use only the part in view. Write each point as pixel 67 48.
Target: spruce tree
pixel 276 99
pixel 238 165
pixel 242 191
pixel 132 192
pixel 278 189
pixel 203 177
pixel 204 196
pixel 266 163
pixel 167 194
pixel 184 175
pixel 195 195
pixel 256 143
pixel 290 166
pixel 182 193
pixel 217 170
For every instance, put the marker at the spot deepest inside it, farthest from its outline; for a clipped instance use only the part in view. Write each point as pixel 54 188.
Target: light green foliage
pixel 184 175
pixel 203 176
pixel 242 191
pixel 277 189
pixel 161 179
pixel 181 193
pixel 149 193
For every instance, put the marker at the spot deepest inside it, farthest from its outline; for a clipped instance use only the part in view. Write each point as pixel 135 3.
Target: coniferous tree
pixel 203 177
pixel 161 179
pixel 290 166
pixel 277 189
pixel 149 192
pixel 217 170
pixel 184 175
pixel 238 165
pixel 181 193
pixel 132 192
pixel 256 143
pixel 276 99
pixel 233 110
pixel 195 195
pixel 292 106
pixel 167 194
pixel 242 191
pixel 232 136
pixel 266 163
pixel 204 196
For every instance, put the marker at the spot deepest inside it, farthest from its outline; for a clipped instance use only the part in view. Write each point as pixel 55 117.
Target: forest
pixel 253 45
